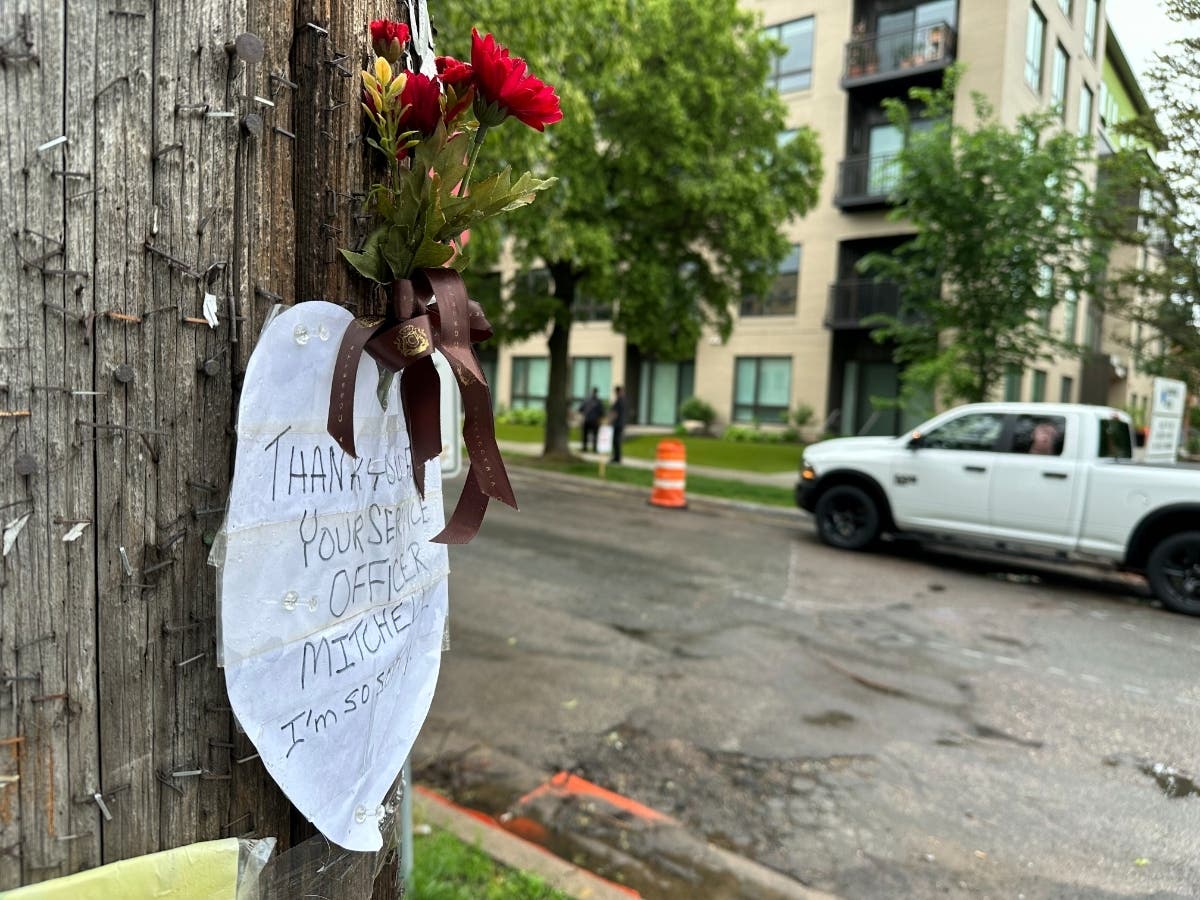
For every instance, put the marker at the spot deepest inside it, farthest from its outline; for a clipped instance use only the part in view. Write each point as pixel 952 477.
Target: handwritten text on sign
pixel 333 601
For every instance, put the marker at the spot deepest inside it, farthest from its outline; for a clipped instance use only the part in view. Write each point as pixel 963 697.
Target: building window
pixel 1070 314
pixel 1065 6
pixel 1045 290
pixel 662 387
pixel 1091 21
pixel 1038 391
pixel 532 282
pixel 793 69
pixel 589 372
pixel 762 388
pixel 1058 81
pixel 530 381
pixel 1066 389
pixel 780 299
pixel 1035 48
pixel 1012 383
pixel 1085 111
pixel 588 307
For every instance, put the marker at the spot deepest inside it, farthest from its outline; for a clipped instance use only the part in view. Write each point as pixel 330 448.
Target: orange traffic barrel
pixel 670 475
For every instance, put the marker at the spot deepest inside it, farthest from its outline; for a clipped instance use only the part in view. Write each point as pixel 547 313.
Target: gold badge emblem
pixel 411 341
pixel 369 321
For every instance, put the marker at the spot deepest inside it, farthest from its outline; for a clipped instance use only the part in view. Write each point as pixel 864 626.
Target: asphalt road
pixel 903 723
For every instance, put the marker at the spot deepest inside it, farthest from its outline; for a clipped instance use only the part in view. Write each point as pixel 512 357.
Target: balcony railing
pixel 852 300
pixel 867 180
pixel 898 54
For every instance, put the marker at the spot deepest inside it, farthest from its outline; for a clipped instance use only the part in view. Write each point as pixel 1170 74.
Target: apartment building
pixel 805 342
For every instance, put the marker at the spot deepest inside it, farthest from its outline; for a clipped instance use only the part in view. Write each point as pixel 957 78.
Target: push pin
pixel 124 373
pixel 26 465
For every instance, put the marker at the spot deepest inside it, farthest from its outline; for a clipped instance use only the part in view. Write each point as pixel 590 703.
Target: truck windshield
pixel 1115 440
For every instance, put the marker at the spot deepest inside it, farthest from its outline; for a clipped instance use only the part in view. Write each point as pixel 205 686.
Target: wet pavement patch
pixel 1173 782
pixel 831 717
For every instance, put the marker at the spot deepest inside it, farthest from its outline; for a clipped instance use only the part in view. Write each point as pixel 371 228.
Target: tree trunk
pixel 156 154
pixel 558 397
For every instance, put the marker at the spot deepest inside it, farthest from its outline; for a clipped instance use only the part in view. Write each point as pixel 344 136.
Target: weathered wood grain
pixel 188 170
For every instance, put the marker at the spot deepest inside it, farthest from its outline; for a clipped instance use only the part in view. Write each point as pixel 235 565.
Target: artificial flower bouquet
pixel 429 130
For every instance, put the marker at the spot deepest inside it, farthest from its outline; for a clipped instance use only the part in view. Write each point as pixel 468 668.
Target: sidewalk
pixel 771 479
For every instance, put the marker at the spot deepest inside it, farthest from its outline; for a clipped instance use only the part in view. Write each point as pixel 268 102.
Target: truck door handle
pixel 974 469
pixel 1061 476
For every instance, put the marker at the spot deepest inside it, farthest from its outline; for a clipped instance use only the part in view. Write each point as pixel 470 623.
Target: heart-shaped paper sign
pixel 333 601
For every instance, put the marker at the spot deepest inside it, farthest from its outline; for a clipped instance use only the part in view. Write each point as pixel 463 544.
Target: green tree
pixel 674 179
pixel 1153 201
pixel 1003 233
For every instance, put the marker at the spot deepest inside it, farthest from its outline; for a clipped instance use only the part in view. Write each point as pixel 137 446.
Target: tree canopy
pixel 1003 219
pixel 1162 290
pixel 675 169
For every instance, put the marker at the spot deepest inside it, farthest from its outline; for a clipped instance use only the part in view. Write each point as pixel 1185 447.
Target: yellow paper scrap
pixel 206 871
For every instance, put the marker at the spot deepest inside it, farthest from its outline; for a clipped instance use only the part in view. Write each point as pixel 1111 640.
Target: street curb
pixel 485 833
pixel 694 500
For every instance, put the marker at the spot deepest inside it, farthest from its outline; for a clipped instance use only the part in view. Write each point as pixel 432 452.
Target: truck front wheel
pixel 1174 572
pixel 847 517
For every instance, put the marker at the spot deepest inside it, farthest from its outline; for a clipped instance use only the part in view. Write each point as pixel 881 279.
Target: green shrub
pixel 697 409
pixel 802 416
pixel 531 415
pixel 738 433
pixel 751 434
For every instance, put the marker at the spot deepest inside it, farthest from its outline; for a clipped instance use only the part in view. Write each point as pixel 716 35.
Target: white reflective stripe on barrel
pixel 668 485
pixel 670 464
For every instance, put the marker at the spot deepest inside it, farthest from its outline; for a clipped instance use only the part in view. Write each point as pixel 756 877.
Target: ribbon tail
pixel 479 427
pixel 468 514
pixel 420 394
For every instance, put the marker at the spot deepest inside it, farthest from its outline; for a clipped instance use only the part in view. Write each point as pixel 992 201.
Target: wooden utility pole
pixel 161 164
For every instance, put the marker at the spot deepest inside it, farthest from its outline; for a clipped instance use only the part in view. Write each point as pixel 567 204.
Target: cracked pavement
pixel 908 722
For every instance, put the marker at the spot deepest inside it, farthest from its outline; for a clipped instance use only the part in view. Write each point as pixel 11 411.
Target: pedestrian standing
pixel 617 419
pixel 592 409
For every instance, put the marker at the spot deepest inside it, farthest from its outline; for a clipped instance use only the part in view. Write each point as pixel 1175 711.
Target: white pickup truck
pixel 1029 478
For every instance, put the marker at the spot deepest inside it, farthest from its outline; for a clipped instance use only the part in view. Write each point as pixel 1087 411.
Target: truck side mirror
pixel 916 441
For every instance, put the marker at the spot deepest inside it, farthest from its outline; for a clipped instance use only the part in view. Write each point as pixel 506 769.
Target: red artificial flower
pixel 459 80
pixel 421 100
pixel 388 38
pixel 453 71
pixel 504 87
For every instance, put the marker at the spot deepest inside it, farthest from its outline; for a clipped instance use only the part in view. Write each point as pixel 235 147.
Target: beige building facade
pixel 805 344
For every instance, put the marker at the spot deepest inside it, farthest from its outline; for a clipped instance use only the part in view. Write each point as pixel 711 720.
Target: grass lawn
pixel 701 451
pixel 696 484
pixel 444 868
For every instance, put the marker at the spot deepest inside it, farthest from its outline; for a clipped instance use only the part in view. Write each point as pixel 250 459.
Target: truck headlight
pixel 807 472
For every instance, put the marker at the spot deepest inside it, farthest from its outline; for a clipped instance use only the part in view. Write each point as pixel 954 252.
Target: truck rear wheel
pixel 847 517
pixel 1173 570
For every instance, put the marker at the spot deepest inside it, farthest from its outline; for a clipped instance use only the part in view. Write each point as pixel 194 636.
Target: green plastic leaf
pixel 370 262
pixel 432 255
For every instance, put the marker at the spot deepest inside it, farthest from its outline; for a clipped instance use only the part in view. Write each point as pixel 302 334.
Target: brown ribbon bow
pixel 404 341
